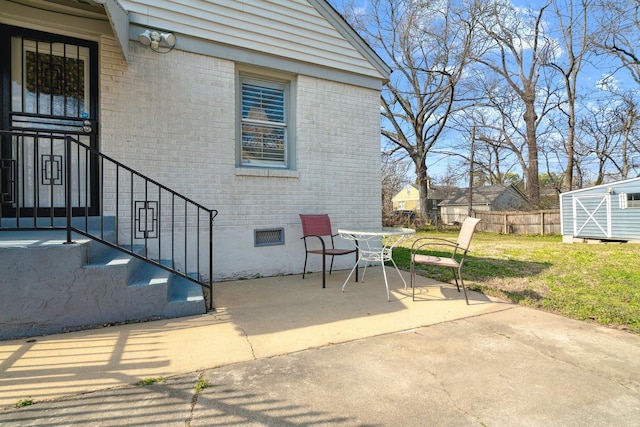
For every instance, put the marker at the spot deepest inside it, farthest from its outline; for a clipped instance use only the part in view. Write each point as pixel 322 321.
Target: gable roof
pixel 302 36
pixel 441 193
pixel 433 193
pixel 481 195
pixel 351 35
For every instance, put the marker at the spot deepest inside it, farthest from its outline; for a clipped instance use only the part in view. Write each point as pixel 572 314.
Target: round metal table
pixel 376 245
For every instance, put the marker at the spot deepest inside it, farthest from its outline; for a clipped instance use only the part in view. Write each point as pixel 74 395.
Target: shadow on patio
pixel 253 319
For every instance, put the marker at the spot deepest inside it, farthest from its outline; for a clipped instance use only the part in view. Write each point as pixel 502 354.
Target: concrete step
pixel 52 286
pixel 151 275
pixel 185 296
pixel 181 289
pixel 118 262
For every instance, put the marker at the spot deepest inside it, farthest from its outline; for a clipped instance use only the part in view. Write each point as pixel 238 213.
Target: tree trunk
pixel 570 146
pixel 532 178
pixel 423 187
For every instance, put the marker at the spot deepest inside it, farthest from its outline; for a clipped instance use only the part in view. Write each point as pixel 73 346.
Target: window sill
pixel 267 172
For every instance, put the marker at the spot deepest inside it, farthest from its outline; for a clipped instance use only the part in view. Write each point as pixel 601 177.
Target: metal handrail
pixel 151 222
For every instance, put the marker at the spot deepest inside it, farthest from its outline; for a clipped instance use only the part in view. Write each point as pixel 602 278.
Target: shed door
pixel 592 216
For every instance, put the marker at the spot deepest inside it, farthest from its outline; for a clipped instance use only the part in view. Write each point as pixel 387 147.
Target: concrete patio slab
pixel 253 319
pixel 282 351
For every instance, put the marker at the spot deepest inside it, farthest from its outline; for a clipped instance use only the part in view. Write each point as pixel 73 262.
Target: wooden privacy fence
pixel 513 222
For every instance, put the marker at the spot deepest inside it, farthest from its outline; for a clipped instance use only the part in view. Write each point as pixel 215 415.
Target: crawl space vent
pixel 269 237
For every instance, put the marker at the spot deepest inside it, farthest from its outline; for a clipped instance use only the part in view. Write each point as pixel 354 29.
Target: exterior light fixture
pixel 158 41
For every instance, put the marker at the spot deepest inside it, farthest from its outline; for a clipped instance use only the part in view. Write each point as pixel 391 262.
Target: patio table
pixel 376 245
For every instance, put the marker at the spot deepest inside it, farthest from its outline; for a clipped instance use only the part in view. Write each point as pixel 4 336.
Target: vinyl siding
pixel 292 29
pixel 624 224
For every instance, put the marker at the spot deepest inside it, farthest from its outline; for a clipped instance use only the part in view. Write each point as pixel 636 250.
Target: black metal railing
pixel 55 181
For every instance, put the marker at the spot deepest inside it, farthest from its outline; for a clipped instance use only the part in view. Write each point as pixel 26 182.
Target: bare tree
pixel 428 45
pixel 520 51
pixel 493 159
pixel 513 74
pixel 629 119
pixel 394 178
pixel 611 137
pixel 572 25
pixel 619 32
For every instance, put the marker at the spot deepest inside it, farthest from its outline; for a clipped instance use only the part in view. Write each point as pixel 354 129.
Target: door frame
pixel 6 34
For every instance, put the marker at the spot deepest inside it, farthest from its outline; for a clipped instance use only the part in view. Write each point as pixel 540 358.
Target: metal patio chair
pixel 458 249
pixel 318 226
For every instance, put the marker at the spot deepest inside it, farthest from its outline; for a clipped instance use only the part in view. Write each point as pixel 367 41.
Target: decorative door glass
pixel 50 98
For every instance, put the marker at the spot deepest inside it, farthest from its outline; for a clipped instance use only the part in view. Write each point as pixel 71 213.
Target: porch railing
pixel 55 181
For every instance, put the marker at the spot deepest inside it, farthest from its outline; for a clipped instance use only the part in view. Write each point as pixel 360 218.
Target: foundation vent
pixel 268 237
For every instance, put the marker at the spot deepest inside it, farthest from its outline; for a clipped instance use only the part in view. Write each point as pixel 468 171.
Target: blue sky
pixel 593 72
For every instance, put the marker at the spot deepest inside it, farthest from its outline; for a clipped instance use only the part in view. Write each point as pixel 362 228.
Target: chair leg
pixel 304 269
pixel 324 271
pixel 455 277
pixel 357 262
pixel 411 270
pixel 412 279
pixel 464 288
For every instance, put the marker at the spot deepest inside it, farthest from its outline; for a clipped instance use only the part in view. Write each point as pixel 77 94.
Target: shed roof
pixel 604 186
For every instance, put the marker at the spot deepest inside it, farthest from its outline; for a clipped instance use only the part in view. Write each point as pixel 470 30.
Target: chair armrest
pixel 314 235
pixel 422 242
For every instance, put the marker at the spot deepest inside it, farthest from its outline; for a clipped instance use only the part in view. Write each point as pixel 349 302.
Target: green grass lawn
pixel 592 282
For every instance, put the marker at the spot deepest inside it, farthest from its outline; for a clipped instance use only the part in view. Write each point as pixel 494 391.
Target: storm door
pixel 49 92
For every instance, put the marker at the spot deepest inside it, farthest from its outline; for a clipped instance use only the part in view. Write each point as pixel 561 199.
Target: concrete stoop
pixel 50 287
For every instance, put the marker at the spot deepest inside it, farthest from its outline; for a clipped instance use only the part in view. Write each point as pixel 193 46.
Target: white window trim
pixel 290 114
pixel 623 200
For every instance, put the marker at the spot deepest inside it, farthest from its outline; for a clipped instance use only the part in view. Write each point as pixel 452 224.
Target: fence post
pixel 542 223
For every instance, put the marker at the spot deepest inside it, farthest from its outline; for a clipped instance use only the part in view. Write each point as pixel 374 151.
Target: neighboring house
pixel 604 212
pixel 498 197
pixel 259 110
pixel 408 198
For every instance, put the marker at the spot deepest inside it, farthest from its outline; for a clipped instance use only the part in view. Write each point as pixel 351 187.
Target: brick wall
pixel 171 116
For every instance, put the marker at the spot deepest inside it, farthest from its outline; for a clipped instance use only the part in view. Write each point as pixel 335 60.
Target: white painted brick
pixel 172 117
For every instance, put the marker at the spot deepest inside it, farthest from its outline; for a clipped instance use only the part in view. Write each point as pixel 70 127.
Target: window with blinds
pixel 264 123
